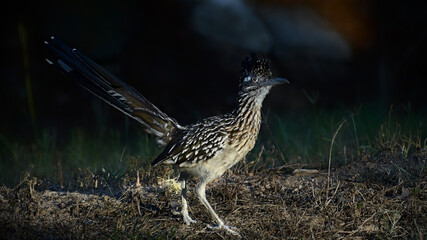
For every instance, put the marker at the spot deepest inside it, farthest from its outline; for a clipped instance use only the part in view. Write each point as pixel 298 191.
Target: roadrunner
pixel 204 150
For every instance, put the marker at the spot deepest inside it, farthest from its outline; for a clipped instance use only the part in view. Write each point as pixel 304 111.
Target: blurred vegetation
pixel 305 138
pixel 286 140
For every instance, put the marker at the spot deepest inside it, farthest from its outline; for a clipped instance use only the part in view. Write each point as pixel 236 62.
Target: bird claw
pixel 187 219
pixel 229 229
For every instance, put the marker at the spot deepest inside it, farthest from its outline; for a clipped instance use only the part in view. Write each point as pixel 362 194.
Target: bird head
pixel 256 76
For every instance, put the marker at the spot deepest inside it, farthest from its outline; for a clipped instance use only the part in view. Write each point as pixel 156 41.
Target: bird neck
pixel 247 120
pixel 248 113
pixel 251 101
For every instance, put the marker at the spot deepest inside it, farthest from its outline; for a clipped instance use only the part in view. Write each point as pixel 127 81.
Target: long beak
pixel 275 81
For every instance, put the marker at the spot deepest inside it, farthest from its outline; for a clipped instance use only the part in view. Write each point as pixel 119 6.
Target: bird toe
pixel 230 229
pixel 188 220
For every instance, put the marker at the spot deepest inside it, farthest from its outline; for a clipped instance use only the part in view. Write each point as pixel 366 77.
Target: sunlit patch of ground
pixel 382 197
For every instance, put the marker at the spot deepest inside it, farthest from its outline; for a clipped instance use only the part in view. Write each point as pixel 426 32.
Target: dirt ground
pixel 383 197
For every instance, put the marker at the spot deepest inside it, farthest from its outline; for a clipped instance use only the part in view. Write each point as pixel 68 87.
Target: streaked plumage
pixel 204 150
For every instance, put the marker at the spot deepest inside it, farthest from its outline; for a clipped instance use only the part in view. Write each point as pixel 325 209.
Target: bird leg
pixel 202 197
pixel 184 211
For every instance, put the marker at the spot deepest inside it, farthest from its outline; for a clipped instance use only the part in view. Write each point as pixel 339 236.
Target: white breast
pixel 216 166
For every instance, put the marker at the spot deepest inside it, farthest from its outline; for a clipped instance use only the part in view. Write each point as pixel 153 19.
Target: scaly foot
pixel 187 219
pixel 229 229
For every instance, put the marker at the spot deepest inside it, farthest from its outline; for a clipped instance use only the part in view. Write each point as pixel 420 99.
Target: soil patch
pixel 383 198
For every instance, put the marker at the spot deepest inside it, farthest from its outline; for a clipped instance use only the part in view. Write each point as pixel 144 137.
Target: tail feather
pixel 112 90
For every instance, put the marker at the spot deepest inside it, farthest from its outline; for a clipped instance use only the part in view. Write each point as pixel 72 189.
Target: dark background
pixel 185 56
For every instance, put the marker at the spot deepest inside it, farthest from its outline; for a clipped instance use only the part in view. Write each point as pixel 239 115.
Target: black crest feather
pixel 256 66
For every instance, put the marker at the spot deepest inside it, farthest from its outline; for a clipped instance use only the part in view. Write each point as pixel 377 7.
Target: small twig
pixel 27 175
pixel 369 218
pixel 258 159
pixel 88 212
pixel 108 186
pixel 420 234
pixel 333 195
pixel 355 134
pixel 121 157
pixel 330 153
pixel 138 183
pixel 357 190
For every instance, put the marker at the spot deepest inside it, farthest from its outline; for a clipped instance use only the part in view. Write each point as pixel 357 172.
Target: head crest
pixel 255 66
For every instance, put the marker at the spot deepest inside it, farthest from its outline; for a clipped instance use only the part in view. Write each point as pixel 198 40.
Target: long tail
pixel 112 90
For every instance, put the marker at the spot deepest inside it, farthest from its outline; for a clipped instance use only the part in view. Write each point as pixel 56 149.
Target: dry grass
pixel 383 197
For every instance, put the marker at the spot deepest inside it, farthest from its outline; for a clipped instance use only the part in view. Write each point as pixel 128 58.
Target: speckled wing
pixel 112 90
pixel 200 142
